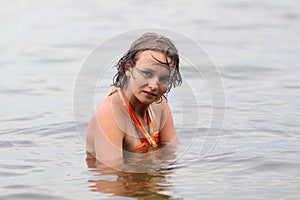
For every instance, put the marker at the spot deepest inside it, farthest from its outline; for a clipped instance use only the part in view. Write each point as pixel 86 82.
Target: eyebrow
pixel 143 67
pixel 161 65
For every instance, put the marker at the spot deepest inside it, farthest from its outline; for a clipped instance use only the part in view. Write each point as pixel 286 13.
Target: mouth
pixel 150 93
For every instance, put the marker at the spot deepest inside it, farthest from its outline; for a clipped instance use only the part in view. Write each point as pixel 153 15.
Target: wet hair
pixel 154 42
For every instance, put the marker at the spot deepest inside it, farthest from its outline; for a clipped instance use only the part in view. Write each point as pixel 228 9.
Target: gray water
pixel 255 47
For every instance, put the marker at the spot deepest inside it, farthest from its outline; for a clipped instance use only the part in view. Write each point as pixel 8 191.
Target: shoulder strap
pixel 144 135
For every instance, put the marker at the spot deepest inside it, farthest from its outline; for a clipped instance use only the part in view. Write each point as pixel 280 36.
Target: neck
pixel 139 108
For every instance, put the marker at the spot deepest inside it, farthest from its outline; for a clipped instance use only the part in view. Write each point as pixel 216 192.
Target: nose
pixel 153 85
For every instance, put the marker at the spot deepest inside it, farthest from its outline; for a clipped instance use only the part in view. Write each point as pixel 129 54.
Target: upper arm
pixel 108 138
pixel 168 133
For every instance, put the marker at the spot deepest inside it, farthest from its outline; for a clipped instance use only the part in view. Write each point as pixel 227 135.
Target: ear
pixel 127 68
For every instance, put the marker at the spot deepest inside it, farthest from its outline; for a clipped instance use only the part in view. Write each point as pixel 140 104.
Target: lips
pixel 150 94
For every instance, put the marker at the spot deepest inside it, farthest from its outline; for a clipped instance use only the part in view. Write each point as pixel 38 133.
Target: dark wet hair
pixel 154 42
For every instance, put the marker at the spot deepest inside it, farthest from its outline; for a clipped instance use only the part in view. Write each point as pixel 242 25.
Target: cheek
pixel 162 91
pixel 134 86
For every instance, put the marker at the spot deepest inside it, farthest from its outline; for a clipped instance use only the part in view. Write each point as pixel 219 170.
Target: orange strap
pixel 112 92
pixel 145 145
pixel 144 135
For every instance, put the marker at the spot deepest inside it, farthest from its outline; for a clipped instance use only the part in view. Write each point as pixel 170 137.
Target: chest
pixel 133 136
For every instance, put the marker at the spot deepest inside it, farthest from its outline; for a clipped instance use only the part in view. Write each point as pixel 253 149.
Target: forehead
pixel 151 57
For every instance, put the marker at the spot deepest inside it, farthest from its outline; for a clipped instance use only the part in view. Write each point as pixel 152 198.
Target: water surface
pixel 255 46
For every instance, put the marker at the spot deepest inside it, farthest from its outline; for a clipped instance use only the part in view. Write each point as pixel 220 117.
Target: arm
pixel 168 133
pixel 108 137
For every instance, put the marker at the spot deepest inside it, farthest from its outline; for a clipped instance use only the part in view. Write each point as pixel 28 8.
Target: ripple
pixel 17 186
pixel 59 129
pixel 17 143
pixel 11 174
pixel 4 166
pixel 5 144
pixel 276 166
pixel 31 196
pixel 247 72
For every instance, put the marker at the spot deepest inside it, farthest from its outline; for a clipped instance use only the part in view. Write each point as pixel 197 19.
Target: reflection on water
pixel 141 177
pixel 128 184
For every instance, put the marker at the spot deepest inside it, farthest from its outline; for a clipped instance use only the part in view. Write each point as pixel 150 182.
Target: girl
pixel 135 115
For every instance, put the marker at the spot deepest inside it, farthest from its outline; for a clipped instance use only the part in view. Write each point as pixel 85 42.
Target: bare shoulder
pixel 104 136
pixel 109 113
pixel 103 124
pixel 103 110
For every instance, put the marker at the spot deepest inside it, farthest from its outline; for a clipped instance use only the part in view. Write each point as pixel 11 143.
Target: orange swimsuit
pixel 146 138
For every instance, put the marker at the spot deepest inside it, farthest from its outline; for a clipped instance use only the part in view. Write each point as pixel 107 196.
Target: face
pixel 149 79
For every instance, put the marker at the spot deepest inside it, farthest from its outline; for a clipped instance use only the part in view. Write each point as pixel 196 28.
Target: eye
pixel 164 79
pixel 147 74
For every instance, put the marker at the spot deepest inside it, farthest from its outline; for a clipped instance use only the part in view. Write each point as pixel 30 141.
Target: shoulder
pixel 103 109
pixel 111 114
pixel 97 125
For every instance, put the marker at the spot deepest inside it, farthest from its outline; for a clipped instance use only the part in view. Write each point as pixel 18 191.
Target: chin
pixel 147 101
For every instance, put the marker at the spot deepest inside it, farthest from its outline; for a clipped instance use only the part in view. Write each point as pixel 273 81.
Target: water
pixel 255 46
